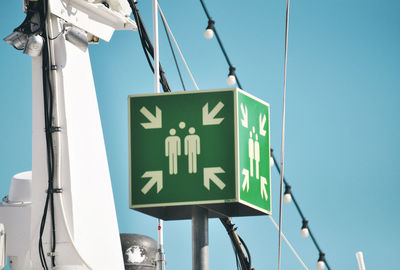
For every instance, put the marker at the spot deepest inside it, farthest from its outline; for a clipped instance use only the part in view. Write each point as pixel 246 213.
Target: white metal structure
pixel 86 223
pixel 360 260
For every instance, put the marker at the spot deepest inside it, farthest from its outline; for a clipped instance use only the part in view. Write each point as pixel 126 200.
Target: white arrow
pixel 208 118
pixel 156 178
pixel 263 190
pixel 262 120
pixel 245 119
pixel 246 179
pixel 209 174
pixel 155 121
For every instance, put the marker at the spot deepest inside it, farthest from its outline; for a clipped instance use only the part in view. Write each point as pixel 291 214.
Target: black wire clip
pixel 51 254
pixel 55 190
pixel 55 129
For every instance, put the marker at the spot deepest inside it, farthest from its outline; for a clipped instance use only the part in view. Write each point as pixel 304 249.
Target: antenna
pixel 360 260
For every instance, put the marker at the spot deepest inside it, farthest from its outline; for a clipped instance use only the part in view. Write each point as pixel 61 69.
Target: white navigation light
pixel 34 46
pixel 78 37
pixel 17 39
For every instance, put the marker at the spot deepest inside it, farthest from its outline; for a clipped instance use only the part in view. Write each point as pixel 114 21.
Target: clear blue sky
pixel 342 144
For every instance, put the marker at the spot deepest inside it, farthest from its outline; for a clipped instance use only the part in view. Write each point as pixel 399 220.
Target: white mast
pixel 86 223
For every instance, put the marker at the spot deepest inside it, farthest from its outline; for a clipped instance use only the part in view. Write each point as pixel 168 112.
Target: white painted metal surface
pixel 95 17
pixel 3 256
pixel 15 213
pixel 86 224
pixel 360 260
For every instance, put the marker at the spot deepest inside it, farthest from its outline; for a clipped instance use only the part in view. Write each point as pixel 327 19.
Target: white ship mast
pixel 85 218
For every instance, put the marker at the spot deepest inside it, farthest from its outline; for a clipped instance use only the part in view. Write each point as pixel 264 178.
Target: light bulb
pixel 209 33
pixel 231 80
pixel 320 265
pixel 304 233
pixel 287 198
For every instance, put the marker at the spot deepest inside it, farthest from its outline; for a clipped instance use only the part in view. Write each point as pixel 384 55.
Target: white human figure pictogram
pixel 257 156
pixel 173 150
pixel 251 152
pixel 192 149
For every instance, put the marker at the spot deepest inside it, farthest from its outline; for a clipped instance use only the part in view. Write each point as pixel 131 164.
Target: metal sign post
pixel 200 258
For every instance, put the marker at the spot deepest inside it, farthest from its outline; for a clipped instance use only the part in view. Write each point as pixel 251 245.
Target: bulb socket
pixel 288 190
pixel 232 71
pixel 210 25
pixel 305 224
pixel 321 257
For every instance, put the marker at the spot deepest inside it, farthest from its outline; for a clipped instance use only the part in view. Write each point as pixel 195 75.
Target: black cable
pixel 247 250
pixel 220 42
pixel 173 54
pixel 147 45
pixel 298 209
pixel 48 117
pixel 243 261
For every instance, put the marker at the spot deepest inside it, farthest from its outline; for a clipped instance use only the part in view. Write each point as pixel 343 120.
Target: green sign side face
pixel 182 148
pixel 254 152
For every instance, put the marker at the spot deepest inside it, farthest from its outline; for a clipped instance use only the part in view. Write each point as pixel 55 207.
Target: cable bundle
pixel 147 45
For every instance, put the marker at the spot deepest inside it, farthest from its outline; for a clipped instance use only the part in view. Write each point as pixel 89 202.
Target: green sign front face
pixel 190 148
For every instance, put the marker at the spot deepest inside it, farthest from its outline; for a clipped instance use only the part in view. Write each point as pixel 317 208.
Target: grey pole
pixel 200 239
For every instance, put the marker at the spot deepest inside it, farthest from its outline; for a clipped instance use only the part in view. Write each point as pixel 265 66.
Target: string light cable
pixel 232 77
pixel 242 253
pixel 210 31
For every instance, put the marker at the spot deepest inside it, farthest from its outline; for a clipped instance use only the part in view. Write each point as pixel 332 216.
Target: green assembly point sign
pixel 208 148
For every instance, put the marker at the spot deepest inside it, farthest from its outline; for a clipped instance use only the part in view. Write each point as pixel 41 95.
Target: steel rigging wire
pixel 283 133
pixel 177 47
pixel 173 53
